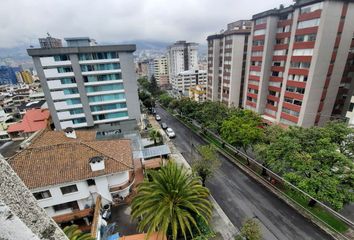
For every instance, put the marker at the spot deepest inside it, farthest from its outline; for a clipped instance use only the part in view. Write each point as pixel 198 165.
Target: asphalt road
pixel 242 197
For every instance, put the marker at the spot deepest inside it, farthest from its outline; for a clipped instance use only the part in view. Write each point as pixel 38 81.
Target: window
pixel 253 82
pixel 64 69
pixel 259 32
pixel 258 42
pixel 103 88
pixel 256 63
pixel 298 78
pixel 273 93
pixel 91 182
pixel 255 73
pixel 283 29
pixel 257 53
pixel 351 107
pixel 285 16
pixel 260 21
pixel 64 57
pixel 70 91
pixel 73 101
pixel 110 116
pixel 64 206
pixel 300 64
pixel 254 91
pixel 107 97
pixel 42 195
pixel 280 52
pixel 68 189
pixel 305 38
pixel 67 80
pixel 278 63
pixel 100 67
pixel 291 112
pixel 79 120
pixel 293 101
pixel 97 56
pixel 311 8
pixel 275 84
pixel 303 52
pixel 295 89
pixel 108 107
pixel 76 111
pixel 103 77
pixel 308 23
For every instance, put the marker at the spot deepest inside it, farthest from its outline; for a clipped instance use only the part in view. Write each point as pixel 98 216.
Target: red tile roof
pixel 33 120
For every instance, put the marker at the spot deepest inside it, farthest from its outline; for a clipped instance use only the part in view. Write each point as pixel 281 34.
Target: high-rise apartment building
pixel 50 42
pixel 89 86
pixel 297 59
pixel 182 56
pixel 227 62
pixel 161 71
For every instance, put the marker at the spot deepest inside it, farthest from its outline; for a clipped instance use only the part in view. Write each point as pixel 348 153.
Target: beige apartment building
pixel 161 71
pixel 227 62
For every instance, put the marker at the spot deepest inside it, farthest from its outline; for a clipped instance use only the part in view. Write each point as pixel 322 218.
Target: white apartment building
pixel 182 56
pixel 187 79
pixel 88 85
pixel 67 171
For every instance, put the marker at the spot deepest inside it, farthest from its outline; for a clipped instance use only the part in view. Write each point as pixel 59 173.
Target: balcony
pixel 104 92
pixel 56 84
pixel 50 62
pixel 111 120
pixel 123 186
pixel 109 111
pixel 101 72
pixel 93 61
pixel 103 82
pixel 76 214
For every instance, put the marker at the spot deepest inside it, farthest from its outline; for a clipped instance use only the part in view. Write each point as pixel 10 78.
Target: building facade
pixel 50 42
pixel 227 62
pixel 187 79
pixel 89 86
pixel 182 56
pixel 161 71
pixel 7 75
pixel 296 61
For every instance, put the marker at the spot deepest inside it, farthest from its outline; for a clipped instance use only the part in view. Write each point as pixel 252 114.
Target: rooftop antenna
pixel 48 34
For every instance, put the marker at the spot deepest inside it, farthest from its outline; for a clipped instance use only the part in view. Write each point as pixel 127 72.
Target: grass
pixel 317 211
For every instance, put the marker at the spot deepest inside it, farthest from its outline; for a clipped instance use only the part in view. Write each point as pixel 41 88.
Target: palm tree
pixel 74 233
pixel 155 135
pixel 171 201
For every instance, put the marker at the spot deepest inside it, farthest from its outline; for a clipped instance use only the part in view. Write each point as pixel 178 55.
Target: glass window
pixel 300 64
pixel 79 120
pixel 295 89
pixel 64 57
pixel 257 53
pixel 280 52
pixel 308 23
pixel 91 182
pixel 260 21
pixel 108 107
pixel 305 38
pixel 103 77
pixel 110 116
pixel 291 112
pixel 70 91
pixel 107 97
pixel 67 80
pixel 76 111
pixel 64 69
pixel 255 73
pixel 73 101
pixel 100 67
pixel 259 32
pixel 42 195
pixel 109 87
pixel 311 8
pixel 68 189
pixel 303 52
pixel 97 56
pixel 258 42
pixel 64 206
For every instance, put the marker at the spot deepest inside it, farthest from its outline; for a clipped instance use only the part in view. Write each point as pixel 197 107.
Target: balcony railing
pixel 120 187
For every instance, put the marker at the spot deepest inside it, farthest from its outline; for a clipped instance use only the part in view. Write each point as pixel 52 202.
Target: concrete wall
pixel 31 220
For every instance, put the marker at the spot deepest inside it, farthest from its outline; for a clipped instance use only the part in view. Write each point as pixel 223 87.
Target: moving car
pixel 163 125
pixel 157 117
pixel 170 133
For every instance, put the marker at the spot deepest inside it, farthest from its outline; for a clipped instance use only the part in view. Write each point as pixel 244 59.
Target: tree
pixel 310 158
pixel 251 230
pixel 153 87
pixel 155 135
pixel 149 103
pixel 242 129
pixel 74 233
pixel 171 201
pixel 207 164
pixel 165 99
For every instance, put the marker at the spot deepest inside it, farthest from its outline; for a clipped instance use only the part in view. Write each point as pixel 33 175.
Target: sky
pixel 22 22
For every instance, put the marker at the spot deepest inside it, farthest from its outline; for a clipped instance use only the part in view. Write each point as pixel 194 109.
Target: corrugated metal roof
pixel 156 151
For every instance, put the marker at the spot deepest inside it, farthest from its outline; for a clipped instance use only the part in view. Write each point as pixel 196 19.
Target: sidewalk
pixel 221 224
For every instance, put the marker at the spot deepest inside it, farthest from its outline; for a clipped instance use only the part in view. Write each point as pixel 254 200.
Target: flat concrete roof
pixel 85 49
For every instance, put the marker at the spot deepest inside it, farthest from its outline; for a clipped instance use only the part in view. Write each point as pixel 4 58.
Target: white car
pixel 157 117
pixel 170 133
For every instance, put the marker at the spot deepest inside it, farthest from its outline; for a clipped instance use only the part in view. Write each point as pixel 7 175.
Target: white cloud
pixel 24 21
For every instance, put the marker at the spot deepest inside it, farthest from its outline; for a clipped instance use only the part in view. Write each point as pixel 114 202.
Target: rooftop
pixel 54 159
pixel 33 104
pixel 33 120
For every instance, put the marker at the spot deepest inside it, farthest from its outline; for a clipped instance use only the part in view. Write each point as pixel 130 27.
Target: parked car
pixel 157 117
pixel 163 125
pixel 170 133
pixel 153 111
